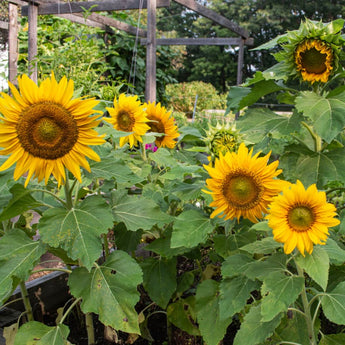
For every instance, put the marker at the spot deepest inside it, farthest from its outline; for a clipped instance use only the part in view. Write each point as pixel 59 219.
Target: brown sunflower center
pixel 156 126
pixel 313 61
pixel 47 130
pixel 125 121
pixel 300 218
pixel 242 191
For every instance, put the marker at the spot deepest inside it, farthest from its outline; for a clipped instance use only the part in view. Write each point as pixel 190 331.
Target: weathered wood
pixel 240 62
pixel 217 18
pixel 150 89
pixel 75 7
pixel 18 2
pixel 12 43
pixel 221 41
pixel 105 23
pixel 32 41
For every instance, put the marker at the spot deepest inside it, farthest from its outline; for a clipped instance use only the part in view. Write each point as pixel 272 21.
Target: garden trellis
pixel 73 11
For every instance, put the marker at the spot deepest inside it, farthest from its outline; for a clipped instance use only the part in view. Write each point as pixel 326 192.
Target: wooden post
pixel 150 90
pixel 12 43
pixel 240 62
pixel 32 41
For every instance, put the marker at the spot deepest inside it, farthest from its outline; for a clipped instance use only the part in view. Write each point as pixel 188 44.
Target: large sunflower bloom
pixel 314 60
pixel 161 121
pixel 242 184
pixel 300 218
pixel 128 115
pixel 45 131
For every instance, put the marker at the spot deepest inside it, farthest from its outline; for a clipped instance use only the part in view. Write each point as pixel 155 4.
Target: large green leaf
pixel 236 264
pixel 212 327
pixel 137 212
pixel 335 253
pixel 316 265
pixel 37 333
pixel 164 158
pixel 282 291
pixel 265 246
pixel 78 230
pixel 191 227
pixel 160 279
pixel 110 290
pixel 21 201
pixel 257 123
pixel 18 255
pixel 182 314
pixel 234 294
pixel 253 331
pixel 327 114
pixel 332 339
pixel 333 304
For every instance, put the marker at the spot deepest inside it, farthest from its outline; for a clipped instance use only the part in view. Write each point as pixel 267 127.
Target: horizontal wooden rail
pixel 221 41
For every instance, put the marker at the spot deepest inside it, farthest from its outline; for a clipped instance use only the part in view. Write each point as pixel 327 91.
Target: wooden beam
pixel 12 43
pixel 104 23
pixel 93 6
pixel 217 18
pixel 221 41
pixel 240 60
pixel 32 41
pixel 150 84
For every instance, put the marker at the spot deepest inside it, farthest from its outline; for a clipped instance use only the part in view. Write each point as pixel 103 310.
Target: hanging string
pixel 131 79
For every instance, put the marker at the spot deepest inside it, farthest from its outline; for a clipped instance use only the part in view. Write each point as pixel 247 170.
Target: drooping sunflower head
pixel 301 217
pixel 242 184
pixel 128 115
pixel 222 138
pixel 161 121
pixel 44 130
pixel 312 52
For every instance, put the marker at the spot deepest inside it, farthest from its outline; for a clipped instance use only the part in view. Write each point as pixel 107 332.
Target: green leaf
pixel 21 201
pixel 182 314
pixel 316 265
pixel 235 96
pixel 234 294
pixel 163 157
pixel 190 228
pixel 332 339
pixel 181 170
pixel 282 290
pixel 37 333
pixel 160 279
pixel 333 304
pixel 18 255
pixel 253 331
pixel 327 114
pixel 236 264
pixel 78 230
pixel 110 290
pixel 266 246
pixel 137 212
pixel 212 327
pixel 110 167
pixel 335 253
pixel 126 240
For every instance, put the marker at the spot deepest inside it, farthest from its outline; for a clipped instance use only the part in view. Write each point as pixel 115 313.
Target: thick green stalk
pixel 307 313
pixel 68 193
pixel 90 329
pixel 26 301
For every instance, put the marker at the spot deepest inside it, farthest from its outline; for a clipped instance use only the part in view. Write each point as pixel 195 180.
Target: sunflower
pixel 242 184
pixel 221 139
pixel 310 53
pixel 45 130
pixel 300 218
pixel 161 121
pixel 314 60
pixel 128 115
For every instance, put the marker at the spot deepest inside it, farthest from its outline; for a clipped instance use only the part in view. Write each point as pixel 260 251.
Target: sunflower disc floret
pixel 242 184
pixel 301 217
pixel 44 130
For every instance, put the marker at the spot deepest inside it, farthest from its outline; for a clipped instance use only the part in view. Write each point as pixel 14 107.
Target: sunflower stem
pixel 26 301
pixel 68 193
pixel 143 152
pixel 307 313
pixel 317 139
pixel 90 329
pixel 106 245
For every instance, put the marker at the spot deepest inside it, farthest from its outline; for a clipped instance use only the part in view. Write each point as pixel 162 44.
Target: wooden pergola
pixel 73 11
